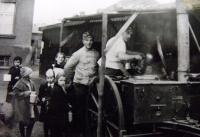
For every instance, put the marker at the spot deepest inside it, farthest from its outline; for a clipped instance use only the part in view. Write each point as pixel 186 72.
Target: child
pixel 44 99
pixel 58 108
pixel 59 63
pixel 59 60
pixel 67 89
pixel 14 71
pixel 24 111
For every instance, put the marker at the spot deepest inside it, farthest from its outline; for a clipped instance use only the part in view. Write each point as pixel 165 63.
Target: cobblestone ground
pixel 37 130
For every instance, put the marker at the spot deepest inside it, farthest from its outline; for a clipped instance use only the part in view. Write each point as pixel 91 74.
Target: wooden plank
pixel 195 38
pixel 61 34
pixel 183 41
pixel 101 73
pixel 145 134
pixel 160 52
pixel 66 39
pixel 122 30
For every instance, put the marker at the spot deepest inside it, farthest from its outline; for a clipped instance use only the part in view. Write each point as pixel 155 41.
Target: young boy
pixel 44 99
pixel 14 71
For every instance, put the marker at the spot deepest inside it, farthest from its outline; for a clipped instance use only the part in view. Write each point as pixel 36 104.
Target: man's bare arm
pixel 126 57
pixel 135 53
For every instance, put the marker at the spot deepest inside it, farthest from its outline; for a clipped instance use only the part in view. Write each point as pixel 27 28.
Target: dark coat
pixel 58 107
pixel 15 76
pixel 21 103
pixel 55 108
pixel 44 98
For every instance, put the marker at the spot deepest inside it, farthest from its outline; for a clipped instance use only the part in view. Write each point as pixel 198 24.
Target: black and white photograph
pixel 99 68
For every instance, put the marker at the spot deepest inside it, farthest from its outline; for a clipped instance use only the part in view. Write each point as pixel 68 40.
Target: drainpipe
pixel 183 41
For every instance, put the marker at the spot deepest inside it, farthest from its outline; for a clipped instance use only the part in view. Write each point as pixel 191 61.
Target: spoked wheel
pixel 113 115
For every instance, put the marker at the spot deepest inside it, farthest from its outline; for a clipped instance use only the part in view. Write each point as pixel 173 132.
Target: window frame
pixel 6 58
pixel 13 34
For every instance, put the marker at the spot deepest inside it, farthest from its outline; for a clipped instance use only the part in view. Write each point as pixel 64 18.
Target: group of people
pixel 63 98
pixel 19 90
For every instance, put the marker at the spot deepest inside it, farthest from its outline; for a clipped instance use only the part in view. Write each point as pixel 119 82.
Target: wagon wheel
pixel 113 115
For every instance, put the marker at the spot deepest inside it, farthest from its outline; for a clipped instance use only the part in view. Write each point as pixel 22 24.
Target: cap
pixel 50 73
pixel 25 71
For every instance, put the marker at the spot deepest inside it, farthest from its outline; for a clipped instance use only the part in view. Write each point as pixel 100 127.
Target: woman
pixel 24 111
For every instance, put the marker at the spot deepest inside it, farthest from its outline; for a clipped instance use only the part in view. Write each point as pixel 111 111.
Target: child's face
pixel 50 78
pixel 16 63
pixel 60 58
pixel 61 81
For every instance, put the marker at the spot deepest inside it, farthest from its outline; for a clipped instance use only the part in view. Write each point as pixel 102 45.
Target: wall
pixel 20 43
pixel 36 47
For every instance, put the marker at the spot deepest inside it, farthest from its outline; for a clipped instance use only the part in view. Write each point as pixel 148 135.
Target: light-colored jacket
pixel 84 62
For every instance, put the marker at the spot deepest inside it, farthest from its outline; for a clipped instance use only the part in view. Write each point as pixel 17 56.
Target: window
pixel 7 15
pixel 4 60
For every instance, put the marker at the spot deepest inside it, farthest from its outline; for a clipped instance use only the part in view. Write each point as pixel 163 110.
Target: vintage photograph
pixel 99 68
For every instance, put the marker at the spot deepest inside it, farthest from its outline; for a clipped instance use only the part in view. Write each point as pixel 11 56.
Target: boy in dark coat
pixel 44 100
pixel 58 112
pixel 14 71
pixel 67 100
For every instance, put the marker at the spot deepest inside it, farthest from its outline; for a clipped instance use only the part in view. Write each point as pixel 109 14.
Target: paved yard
pixel 37 130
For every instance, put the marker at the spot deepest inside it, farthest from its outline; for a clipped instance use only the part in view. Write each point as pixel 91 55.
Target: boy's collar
pixel 50 85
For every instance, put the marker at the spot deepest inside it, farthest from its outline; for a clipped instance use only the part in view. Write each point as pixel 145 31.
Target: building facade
pixel 16 21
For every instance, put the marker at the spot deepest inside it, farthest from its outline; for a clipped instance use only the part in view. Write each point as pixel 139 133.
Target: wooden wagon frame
pixel 183 28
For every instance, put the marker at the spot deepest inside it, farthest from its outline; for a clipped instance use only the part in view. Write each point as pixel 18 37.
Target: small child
pixel 59 64
pixel 59 60
pixel 14 71
pixel 67 89
pixel 25 112
pixel 44 99
pixel 59 108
